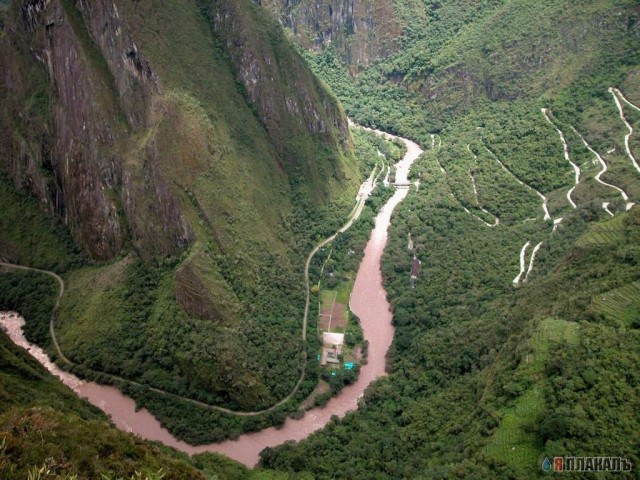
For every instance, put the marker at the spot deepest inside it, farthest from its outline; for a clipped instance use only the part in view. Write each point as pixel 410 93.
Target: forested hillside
pixel 458 55
pixel 177 161
pixel 193 160
pixel 519 338
pixel 48 433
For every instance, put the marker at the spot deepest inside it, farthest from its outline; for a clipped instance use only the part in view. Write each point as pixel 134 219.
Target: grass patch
pixel 90 292
pixel 344 291
pixel 328 298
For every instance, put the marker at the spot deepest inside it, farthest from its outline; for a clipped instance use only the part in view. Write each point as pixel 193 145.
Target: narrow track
pixel 523 253
pixel 363 194
pixel 531 260
pixel 603 164
pixel 615 93
pixel 547 215
pixel 565 148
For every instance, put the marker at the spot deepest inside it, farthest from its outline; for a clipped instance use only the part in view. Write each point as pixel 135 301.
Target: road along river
pixel 368 301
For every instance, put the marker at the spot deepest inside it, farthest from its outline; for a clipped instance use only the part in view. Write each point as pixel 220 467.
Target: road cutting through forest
pixel 368 302
pixel 565 148
pixel 603 164
pixel 615 93
pixel 531 260
pixel 523 253
pixel 547 215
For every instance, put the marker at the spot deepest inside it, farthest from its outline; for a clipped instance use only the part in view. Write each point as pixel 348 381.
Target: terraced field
pixel 515 441
pixel 327 302
pixel 601 234
pixel 620 305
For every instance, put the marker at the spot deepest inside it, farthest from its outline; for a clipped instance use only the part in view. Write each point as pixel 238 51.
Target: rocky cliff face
pixel 67 130
pixel 81 107
pixel 361 30
pixel 276 80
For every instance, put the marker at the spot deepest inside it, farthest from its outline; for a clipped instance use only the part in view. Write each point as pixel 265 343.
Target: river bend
pixel 368 301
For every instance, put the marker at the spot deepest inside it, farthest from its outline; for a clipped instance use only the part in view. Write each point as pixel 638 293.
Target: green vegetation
pixel 139 295
pixel 487 379
pixel 620 305
pixel 487 375
pixel 47 432
pixel 65 444
pixel 44 424
pixel 216 317
pixel 32 294
pixel 328 298
pixel 516 440
pixel 29 236
pixel 609 233
pixel 459 54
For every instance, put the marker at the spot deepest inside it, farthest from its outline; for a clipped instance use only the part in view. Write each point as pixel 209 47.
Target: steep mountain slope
pixel 47 430
pixel 362 31
pixel 518 338
pixel 105 92
pixel 192 154
pixel 458 54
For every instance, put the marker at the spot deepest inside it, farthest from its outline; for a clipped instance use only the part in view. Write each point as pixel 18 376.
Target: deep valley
pixel 344 239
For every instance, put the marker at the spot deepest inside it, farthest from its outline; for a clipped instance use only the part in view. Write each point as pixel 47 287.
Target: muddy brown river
pixel 368 302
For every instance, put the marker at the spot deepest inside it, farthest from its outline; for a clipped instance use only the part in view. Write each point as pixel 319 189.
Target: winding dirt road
pixel 547 215
pixel 523 253
pixel 368 301
pixel 565 148
pixel 531 260
pixel 52 329
pixel 615 93
pixel 556 223
pixel 603 164
pixel 496 221
pixel 475 192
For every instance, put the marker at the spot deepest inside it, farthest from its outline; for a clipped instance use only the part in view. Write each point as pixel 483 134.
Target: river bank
pixel 368 302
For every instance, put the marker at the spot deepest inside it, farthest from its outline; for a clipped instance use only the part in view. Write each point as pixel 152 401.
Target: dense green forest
pixel 128 289
pixel 491 375
pixel 460 55
pixel 517 341
pixel 486 379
